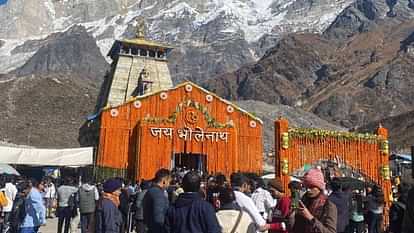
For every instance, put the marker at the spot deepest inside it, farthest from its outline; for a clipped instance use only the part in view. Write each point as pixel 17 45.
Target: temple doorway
pixel 190 161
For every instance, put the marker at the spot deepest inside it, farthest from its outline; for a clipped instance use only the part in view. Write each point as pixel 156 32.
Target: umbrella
pixel 7 169
pixel 353 183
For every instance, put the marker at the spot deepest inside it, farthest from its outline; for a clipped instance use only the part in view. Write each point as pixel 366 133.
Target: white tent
pixel 46 157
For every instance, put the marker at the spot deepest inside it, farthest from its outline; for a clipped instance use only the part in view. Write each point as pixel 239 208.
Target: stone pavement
pixel 51 226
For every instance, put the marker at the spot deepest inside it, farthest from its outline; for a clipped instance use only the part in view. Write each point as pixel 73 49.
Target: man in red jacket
pixel 284 211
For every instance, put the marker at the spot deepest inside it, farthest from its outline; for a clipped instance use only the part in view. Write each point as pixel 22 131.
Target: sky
pixel 3 2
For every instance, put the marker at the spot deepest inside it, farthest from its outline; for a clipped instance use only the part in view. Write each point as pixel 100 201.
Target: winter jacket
pixel 325 224
pixel 343 205
pixel 282 213
pixel 155 208
pixel 35 210
pixel 88 195
pixel 396 216
pixel 227 217
pixel 191 214
pixel 139 213
pixel 408 222
pixel 108 217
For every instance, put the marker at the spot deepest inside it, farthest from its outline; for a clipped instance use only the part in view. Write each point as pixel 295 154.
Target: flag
pixel 3 2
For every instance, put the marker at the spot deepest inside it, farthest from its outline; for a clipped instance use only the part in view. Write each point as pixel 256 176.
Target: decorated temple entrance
pixel 366 154
pixel 183 126
pixel 190 161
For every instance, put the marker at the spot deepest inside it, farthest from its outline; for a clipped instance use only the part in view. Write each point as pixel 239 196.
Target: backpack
pixel 73 204
pixel 3 199
pixel 18 213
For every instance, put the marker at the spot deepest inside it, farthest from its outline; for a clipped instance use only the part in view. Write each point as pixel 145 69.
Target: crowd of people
pixel 180 202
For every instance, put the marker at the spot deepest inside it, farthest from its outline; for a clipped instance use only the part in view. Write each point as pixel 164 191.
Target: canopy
pixel 46 157
pixel 7 169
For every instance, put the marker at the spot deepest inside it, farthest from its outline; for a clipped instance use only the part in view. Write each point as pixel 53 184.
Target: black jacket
pixel 343 205
pixel 396 215
pixel 155 206
pixel 108 217
pixel 191 214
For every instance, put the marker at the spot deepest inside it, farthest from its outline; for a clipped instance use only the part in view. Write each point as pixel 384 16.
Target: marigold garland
pixel 211 121
pixel 340 135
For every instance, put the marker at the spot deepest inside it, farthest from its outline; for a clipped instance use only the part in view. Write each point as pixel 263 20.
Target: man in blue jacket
pixel 190 213
pixel 155 203
pixel 35 209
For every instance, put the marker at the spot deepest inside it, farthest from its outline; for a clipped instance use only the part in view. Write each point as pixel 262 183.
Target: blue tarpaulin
pixel 3 2
pixel 401 157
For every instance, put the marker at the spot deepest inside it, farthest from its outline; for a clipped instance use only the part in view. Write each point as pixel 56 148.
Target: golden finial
pixel 140 33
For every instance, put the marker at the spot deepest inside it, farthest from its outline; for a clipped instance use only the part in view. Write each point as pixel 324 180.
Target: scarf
pixel 112 197
pixel 316 207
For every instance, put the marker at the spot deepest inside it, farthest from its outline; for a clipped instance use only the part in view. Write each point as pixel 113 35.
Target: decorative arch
pixel 367 153
pixel 197 106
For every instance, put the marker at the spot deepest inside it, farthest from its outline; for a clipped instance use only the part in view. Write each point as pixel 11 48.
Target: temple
pixel 139 67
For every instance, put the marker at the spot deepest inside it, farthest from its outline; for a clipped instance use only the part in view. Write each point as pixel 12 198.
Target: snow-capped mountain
pixel 211 36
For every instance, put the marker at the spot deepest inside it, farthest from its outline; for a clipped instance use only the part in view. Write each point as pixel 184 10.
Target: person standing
pixel 18 213
pixel 50 197
pixel 239 183
pixel 230 216
pixel 190 213
pixel 408 221
pixel 35 210
pixel 10 191
pixel 315 212
pixel 356 223
pixel 88 196
pixel 66 204
pixel 108 217
pixel 3 202
pixel 375 208
pixel 155 202
pixel 282 211
pixel 139 211
pixel 263 199
pixel 343 205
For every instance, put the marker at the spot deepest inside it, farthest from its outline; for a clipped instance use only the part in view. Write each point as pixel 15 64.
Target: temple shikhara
pixel 139 67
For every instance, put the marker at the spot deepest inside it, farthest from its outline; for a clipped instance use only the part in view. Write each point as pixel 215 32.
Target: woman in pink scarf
pixel 315 214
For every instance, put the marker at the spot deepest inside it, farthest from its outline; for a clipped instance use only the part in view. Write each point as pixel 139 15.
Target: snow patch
pixel 51 8
pixel 104 46
pixel 56 80
pixel 62 23
pixel 180 10
pixel 9 63
pixel 254 18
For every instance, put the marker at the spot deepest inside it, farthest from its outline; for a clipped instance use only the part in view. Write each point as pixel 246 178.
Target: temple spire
pixel 140 30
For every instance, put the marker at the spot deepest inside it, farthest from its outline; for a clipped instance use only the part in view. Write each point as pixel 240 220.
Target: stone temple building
pixel 139 67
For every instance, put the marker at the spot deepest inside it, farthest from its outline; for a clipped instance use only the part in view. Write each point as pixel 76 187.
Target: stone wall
pixel 127 72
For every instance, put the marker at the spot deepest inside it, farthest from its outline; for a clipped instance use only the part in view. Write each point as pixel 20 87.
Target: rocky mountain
pixel 359 70
pixel 211 37
pixel 401 131
pixel 296 117
pixel 45 111
pixel 71 51
pixel 347 61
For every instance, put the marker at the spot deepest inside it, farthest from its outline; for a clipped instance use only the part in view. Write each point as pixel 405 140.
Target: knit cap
pixel 314 178
pixel 112 185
